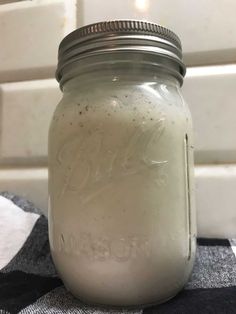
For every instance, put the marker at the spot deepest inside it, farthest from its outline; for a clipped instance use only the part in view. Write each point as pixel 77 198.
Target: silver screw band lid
pixel 119 35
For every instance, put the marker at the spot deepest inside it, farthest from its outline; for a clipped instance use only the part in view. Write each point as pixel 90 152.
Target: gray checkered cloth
pixel 29 282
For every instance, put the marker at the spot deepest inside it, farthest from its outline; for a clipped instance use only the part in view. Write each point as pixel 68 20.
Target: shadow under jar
pixel 121 217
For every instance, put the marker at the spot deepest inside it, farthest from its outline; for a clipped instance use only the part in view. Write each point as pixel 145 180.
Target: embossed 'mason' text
pixel 120 249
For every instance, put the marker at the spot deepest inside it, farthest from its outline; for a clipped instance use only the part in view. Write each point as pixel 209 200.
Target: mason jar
pixel 121 217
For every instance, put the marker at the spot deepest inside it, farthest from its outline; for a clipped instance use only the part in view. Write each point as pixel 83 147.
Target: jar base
pixel 142 306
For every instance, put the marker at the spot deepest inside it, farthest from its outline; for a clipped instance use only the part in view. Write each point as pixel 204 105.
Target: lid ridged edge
pixel 123 26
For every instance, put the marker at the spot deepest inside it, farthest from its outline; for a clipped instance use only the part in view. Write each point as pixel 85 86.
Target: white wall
pixel 30 32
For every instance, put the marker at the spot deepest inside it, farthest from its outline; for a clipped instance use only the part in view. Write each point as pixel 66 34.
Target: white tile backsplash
pixel 26 110
pixel 30 33
pixel 216 201
pixel 206 27
pixel 211 95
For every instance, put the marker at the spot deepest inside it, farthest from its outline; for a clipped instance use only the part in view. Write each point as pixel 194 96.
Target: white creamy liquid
pixel 120 218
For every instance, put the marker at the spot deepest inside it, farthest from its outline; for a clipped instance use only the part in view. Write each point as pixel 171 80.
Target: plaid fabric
pixel 29 282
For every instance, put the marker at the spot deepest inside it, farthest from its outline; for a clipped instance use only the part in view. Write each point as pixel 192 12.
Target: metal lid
pixel 119 35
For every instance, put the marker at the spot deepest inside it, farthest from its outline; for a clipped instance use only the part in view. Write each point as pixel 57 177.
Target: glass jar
pixel 121 217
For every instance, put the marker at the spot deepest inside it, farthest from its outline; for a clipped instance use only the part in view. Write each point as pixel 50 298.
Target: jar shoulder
pixel 123 96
